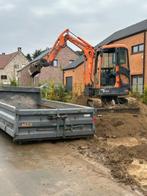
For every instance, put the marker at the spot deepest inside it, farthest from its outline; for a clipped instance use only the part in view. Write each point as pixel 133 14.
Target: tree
pixel 28 56
pixel 36 53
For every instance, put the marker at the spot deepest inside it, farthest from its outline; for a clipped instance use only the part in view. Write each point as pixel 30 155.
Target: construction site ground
pixel 120 144
pixel 113 162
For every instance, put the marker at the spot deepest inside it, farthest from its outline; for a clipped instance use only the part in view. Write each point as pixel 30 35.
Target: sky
pixel 36 24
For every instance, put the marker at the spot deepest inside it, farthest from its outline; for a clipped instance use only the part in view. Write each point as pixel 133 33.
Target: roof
pixel 75 63
pixel 6 58
pixel 128 31
pixel 43 53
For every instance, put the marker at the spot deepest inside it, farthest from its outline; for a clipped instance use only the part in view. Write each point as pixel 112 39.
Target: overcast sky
pixel 35 24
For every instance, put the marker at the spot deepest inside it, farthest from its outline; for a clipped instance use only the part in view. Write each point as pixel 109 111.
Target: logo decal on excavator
pixel 105 90
pixel 26 124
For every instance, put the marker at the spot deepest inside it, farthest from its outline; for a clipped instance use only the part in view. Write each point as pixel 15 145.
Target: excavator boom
pixel 60 43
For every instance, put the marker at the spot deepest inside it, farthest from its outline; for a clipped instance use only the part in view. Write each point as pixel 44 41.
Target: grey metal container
pixel 25 116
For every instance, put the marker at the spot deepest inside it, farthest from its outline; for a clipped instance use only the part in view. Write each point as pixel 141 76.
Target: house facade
pixel 10 64
pixel 48 74
pixel 135 38
pixel 74 76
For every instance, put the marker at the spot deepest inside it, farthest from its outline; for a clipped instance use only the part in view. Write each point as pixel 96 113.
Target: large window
pixel 137 84
pixel 137 48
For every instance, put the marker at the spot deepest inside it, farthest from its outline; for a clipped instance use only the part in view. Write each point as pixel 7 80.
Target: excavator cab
pixel 108 74
pixel 111 72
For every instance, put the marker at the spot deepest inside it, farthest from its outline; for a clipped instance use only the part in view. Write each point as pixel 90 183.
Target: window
pixel 3 77
pixel 141 48
pixel 134 49
pixel 70 61
pixel 109 59
pixel 55 63
pixel 16 66
pixel 108 67
pixel 137 84
pixel 137 48
pixel 122 56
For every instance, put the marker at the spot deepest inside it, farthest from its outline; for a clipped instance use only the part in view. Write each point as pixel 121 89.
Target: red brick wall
pixel 145 78
pixel 49 74
pixel 56 73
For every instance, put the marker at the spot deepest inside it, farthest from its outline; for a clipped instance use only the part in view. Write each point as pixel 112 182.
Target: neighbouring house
pixel 74 76
pixel 10 64
pixel 48 74
pixel 135 38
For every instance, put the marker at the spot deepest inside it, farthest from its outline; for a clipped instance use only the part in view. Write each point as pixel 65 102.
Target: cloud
pixel 6 6
pixel 36 24
pixel 74 7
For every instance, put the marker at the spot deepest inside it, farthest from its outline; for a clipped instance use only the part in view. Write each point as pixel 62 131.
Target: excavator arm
pixel 60 43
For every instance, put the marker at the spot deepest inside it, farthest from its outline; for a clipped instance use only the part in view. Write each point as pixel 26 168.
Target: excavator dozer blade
pixel 122 104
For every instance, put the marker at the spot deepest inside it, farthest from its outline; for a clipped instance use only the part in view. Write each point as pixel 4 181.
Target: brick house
pixel 48 74
pixel 74 76
pixel 10 64
pixel 135 38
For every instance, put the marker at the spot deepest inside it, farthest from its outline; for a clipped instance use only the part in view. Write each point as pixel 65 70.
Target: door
pixel 69 83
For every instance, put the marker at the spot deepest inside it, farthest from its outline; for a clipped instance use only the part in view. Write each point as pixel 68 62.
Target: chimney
pixel 3 53
pixel 19 49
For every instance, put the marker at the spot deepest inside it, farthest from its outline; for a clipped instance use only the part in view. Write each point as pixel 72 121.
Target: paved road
pixel 41 169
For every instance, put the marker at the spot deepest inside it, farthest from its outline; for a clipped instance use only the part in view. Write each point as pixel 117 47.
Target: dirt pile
pixel 121 125
pixel 121 144
pixel 139 152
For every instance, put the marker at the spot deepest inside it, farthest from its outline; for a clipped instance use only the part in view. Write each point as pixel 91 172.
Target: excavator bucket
pixel 35 68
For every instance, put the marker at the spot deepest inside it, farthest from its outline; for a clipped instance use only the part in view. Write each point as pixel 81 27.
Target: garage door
pixel 69 83
pixel 137 84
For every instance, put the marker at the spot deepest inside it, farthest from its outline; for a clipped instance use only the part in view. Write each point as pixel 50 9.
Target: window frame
pixel 55 60
pixel 138 51
pixel 137 83
pixel 4 78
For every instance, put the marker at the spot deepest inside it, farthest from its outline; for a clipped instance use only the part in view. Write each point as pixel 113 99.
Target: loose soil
pixel 120 143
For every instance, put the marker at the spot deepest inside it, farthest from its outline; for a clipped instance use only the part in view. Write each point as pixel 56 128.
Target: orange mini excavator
pixel 106 74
